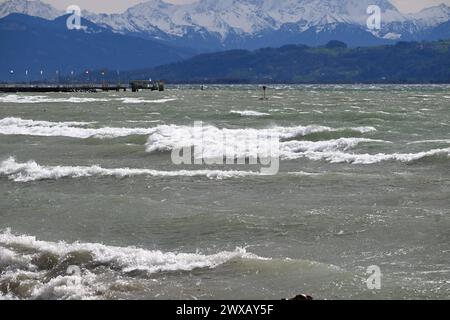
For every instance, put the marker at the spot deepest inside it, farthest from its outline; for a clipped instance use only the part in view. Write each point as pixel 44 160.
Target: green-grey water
pixel 87 180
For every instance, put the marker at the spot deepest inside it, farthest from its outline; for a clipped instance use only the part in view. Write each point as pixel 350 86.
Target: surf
pixel 32 171
pixel 63 270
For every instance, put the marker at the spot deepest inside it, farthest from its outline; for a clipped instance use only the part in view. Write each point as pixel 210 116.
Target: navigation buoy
pixel 264 94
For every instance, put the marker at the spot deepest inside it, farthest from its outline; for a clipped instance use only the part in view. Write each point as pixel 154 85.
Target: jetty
pixel 134 86
pixel 137 85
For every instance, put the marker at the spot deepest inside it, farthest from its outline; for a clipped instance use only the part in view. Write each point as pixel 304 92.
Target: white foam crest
pixel 84 283
pixel 11 121
pixel 363 129
pixel 132 100
pixel 250 113
pixel 143 121
pixel 290 148
pixel 142 100
pixel 31 171
pixel 130 258
pixel 14 98
pixel 67 287
pixel 18 126
pixel 23 99
pixel 307 174
pixel 342 157
pixel 166 138
pixel 430 141
pixel 163 100
pixel 9 259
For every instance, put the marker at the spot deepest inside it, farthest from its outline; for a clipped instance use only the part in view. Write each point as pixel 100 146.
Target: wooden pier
pixel 137 85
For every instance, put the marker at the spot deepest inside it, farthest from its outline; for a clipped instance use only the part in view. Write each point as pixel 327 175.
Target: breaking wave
pixel 33 269
pixel 250 113
pixel 239 143
pixel 141 100
pixel 31 171
pixel 430 141
pixel 343 157
pixel 163 137
pixel 22 99
pixel 18 126
pixel 166 138
pixel 245 143
pixel 43 99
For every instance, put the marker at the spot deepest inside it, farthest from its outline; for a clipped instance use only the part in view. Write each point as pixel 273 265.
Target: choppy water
pixel 87 180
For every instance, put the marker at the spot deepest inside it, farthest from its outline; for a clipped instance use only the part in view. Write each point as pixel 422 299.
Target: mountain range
pixel 34 35
pixel 211 25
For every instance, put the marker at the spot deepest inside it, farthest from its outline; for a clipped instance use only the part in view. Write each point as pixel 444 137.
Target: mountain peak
pixel 32 8
pixel 433 16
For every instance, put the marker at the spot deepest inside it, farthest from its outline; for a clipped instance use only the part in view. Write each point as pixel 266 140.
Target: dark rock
pixel 300 297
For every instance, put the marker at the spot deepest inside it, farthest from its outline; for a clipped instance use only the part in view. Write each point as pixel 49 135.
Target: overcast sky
pixel 108 6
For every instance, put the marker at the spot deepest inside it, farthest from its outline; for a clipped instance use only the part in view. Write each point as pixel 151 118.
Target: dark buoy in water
pixel 264 94
pixel 202 88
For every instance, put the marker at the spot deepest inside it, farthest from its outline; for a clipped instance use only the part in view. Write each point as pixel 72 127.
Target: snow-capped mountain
pixel 253 23
pixel 213 24
pixel 31 8
pixel 244 17
pixel 431 17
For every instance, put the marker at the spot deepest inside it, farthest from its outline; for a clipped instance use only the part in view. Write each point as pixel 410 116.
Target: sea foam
pixel 31 171
pixel 24 99
pixel 245 143
pixel 44 99
pixel 18 126
pixel 250 113
pixel 53 281
pixel 353 158
pixel 166 138
pixel 163 137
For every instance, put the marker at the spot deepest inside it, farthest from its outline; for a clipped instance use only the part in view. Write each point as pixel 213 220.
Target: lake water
pixel 92 206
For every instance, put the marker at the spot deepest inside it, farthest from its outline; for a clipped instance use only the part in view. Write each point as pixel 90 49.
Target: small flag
pixel 12 72
pixel 26 72
pixel 42 72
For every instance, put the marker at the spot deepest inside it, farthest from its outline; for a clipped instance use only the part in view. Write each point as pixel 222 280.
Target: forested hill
pixel 405 62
